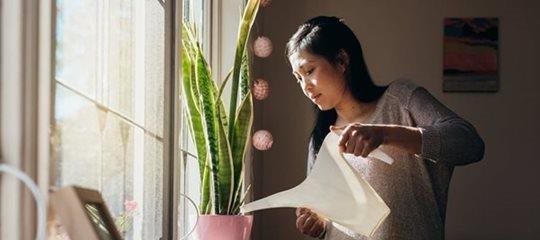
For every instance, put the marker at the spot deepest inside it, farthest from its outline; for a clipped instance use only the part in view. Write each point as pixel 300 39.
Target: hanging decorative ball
pixel 265 3
pixel 260 89
pixel 262 140
pixel 262 47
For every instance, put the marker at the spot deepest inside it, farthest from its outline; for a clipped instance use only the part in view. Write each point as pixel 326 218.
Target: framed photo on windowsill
pixel 471 55
pixel 83 214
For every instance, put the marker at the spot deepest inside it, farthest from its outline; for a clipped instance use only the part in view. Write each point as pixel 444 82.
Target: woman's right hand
pixel 309 223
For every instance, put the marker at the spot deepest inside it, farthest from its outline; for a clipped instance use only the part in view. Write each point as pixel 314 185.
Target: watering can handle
pixel 196 221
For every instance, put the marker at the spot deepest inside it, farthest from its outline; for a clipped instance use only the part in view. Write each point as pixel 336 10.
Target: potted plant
pixel 221 137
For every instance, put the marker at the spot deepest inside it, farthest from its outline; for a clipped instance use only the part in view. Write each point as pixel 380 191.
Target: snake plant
pixel 221 137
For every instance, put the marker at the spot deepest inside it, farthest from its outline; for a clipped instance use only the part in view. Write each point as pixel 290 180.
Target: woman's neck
pixel 350 110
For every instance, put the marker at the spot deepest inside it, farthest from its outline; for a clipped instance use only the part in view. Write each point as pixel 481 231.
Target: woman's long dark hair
pixel 327 37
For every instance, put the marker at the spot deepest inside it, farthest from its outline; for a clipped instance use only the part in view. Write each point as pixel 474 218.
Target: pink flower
pixel 130 205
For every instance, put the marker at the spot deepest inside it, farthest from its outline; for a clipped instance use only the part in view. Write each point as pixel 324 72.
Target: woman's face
pixel 322 82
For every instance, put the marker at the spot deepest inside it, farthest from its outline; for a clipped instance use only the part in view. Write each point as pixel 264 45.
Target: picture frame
pixel 471 55
pixel 84 214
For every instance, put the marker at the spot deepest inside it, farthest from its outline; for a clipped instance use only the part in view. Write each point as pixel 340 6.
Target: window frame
pixel 172 120
pixel 173 157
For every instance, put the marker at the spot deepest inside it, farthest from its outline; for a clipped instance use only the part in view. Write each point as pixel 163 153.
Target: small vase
pixel 224 227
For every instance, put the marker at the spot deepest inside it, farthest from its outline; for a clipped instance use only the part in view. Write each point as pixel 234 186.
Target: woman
pixel 425 138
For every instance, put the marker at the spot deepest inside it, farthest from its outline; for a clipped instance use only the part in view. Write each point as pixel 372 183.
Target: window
pixel 110 104
pixel 108 127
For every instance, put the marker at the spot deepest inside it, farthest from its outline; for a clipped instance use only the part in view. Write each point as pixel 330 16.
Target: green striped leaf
pixel 242 130
pixel 209 113
pixel 244 75
pixel 250 12
pixel 225 174
pixel 194 115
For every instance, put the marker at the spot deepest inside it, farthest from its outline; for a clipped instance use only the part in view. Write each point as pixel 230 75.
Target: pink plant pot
pixel 224 227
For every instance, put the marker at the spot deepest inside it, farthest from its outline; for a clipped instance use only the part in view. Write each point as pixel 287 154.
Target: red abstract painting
pixel 471 54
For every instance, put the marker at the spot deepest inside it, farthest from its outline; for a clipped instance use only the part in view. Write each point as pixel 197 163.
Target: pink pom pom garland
pixel 262 140
pixel 265 3
pixel 262 47
pixel 260 89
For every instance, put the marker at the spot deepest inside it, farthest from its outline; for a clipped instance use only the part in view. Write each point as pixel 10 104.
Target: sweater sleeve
pixel 445 136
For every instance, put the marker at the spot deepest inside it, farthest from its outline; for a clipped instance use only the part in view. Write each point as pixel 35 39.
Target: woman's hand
pixel 359 139
pixel 310 223
pixel 362 139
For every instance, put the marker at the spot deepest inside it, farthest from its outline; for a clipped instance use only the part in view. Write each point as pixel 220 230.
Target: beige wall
pixel 494 199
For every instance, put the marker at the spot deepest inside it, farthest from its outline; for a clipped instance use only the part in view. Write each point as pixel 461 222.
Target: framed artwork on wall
pixel 471 55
